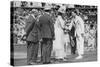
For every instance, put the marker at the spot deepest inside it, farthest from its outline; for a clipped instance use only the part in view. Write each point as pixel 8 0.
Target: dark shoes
pixel 46 62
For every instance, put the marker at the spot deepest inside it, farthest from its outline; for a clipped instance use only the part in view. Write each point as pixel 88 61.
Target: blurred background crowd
pixel 21 11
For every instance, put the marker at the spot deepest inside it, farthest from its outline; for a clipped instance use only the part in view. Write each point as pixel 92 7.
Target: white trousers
pixel 80 45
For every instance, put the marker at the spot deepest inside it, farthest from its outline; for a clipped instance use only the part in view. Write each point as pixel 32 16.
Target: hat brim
pixel 61 11
pixel 47 8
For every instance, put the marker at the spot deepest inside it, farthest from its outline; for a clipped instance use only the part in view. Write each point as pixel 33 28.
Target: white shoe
pixel 65 60
pixel 79 57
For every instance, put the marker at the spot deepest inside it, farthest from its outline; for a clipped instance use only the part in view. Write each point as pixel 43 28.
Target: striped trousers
pixel 32 51
pixel 46 48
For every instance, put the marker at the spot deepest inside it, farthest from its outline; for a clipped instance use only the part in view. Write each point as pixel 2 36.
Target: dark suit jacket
pixel 46 26
pixel 32 30
pixel 72 31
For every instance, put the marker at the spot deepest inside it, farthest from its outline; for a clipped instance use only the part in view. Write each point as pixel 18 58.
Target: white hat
pixel 47 7
pixel 34 10
pixel 62 9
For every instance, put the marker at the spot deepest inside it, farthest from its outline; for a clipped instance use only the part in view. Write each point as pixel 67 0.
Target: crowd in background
pixel 20 16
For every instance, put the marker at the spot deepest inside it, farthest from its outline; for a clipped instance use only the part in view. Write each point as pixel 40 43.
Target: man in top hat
pixel 47 35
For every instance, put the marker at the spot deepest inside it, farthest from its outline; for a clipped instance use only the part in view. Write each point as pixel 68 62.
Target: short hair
pixel 76 11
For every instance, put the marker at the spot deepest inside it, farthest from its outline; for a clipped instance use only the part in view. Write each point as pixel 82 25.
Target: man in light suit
pixel 47 35
pixel 79 33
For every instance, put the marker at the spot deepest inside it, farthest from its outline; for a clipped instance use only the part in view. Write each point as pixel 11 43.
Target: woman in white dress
pixel 58 44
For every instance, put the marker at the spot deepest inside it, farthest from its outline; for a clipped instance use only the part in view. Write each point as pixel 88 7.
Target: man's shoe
pixel 65 60
pixel 32 63
pixel 79 57
pixel 46 62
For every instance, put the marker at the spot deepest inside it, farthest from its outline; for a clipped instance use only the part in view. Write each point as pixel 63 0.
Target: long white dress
pixel 58 43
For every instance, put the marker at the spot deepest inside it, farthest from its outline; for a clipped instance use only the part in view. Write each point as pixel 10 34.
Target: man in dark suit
pixel 73 47
pixel 72 38
pixel 47 34
pixel 33 37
